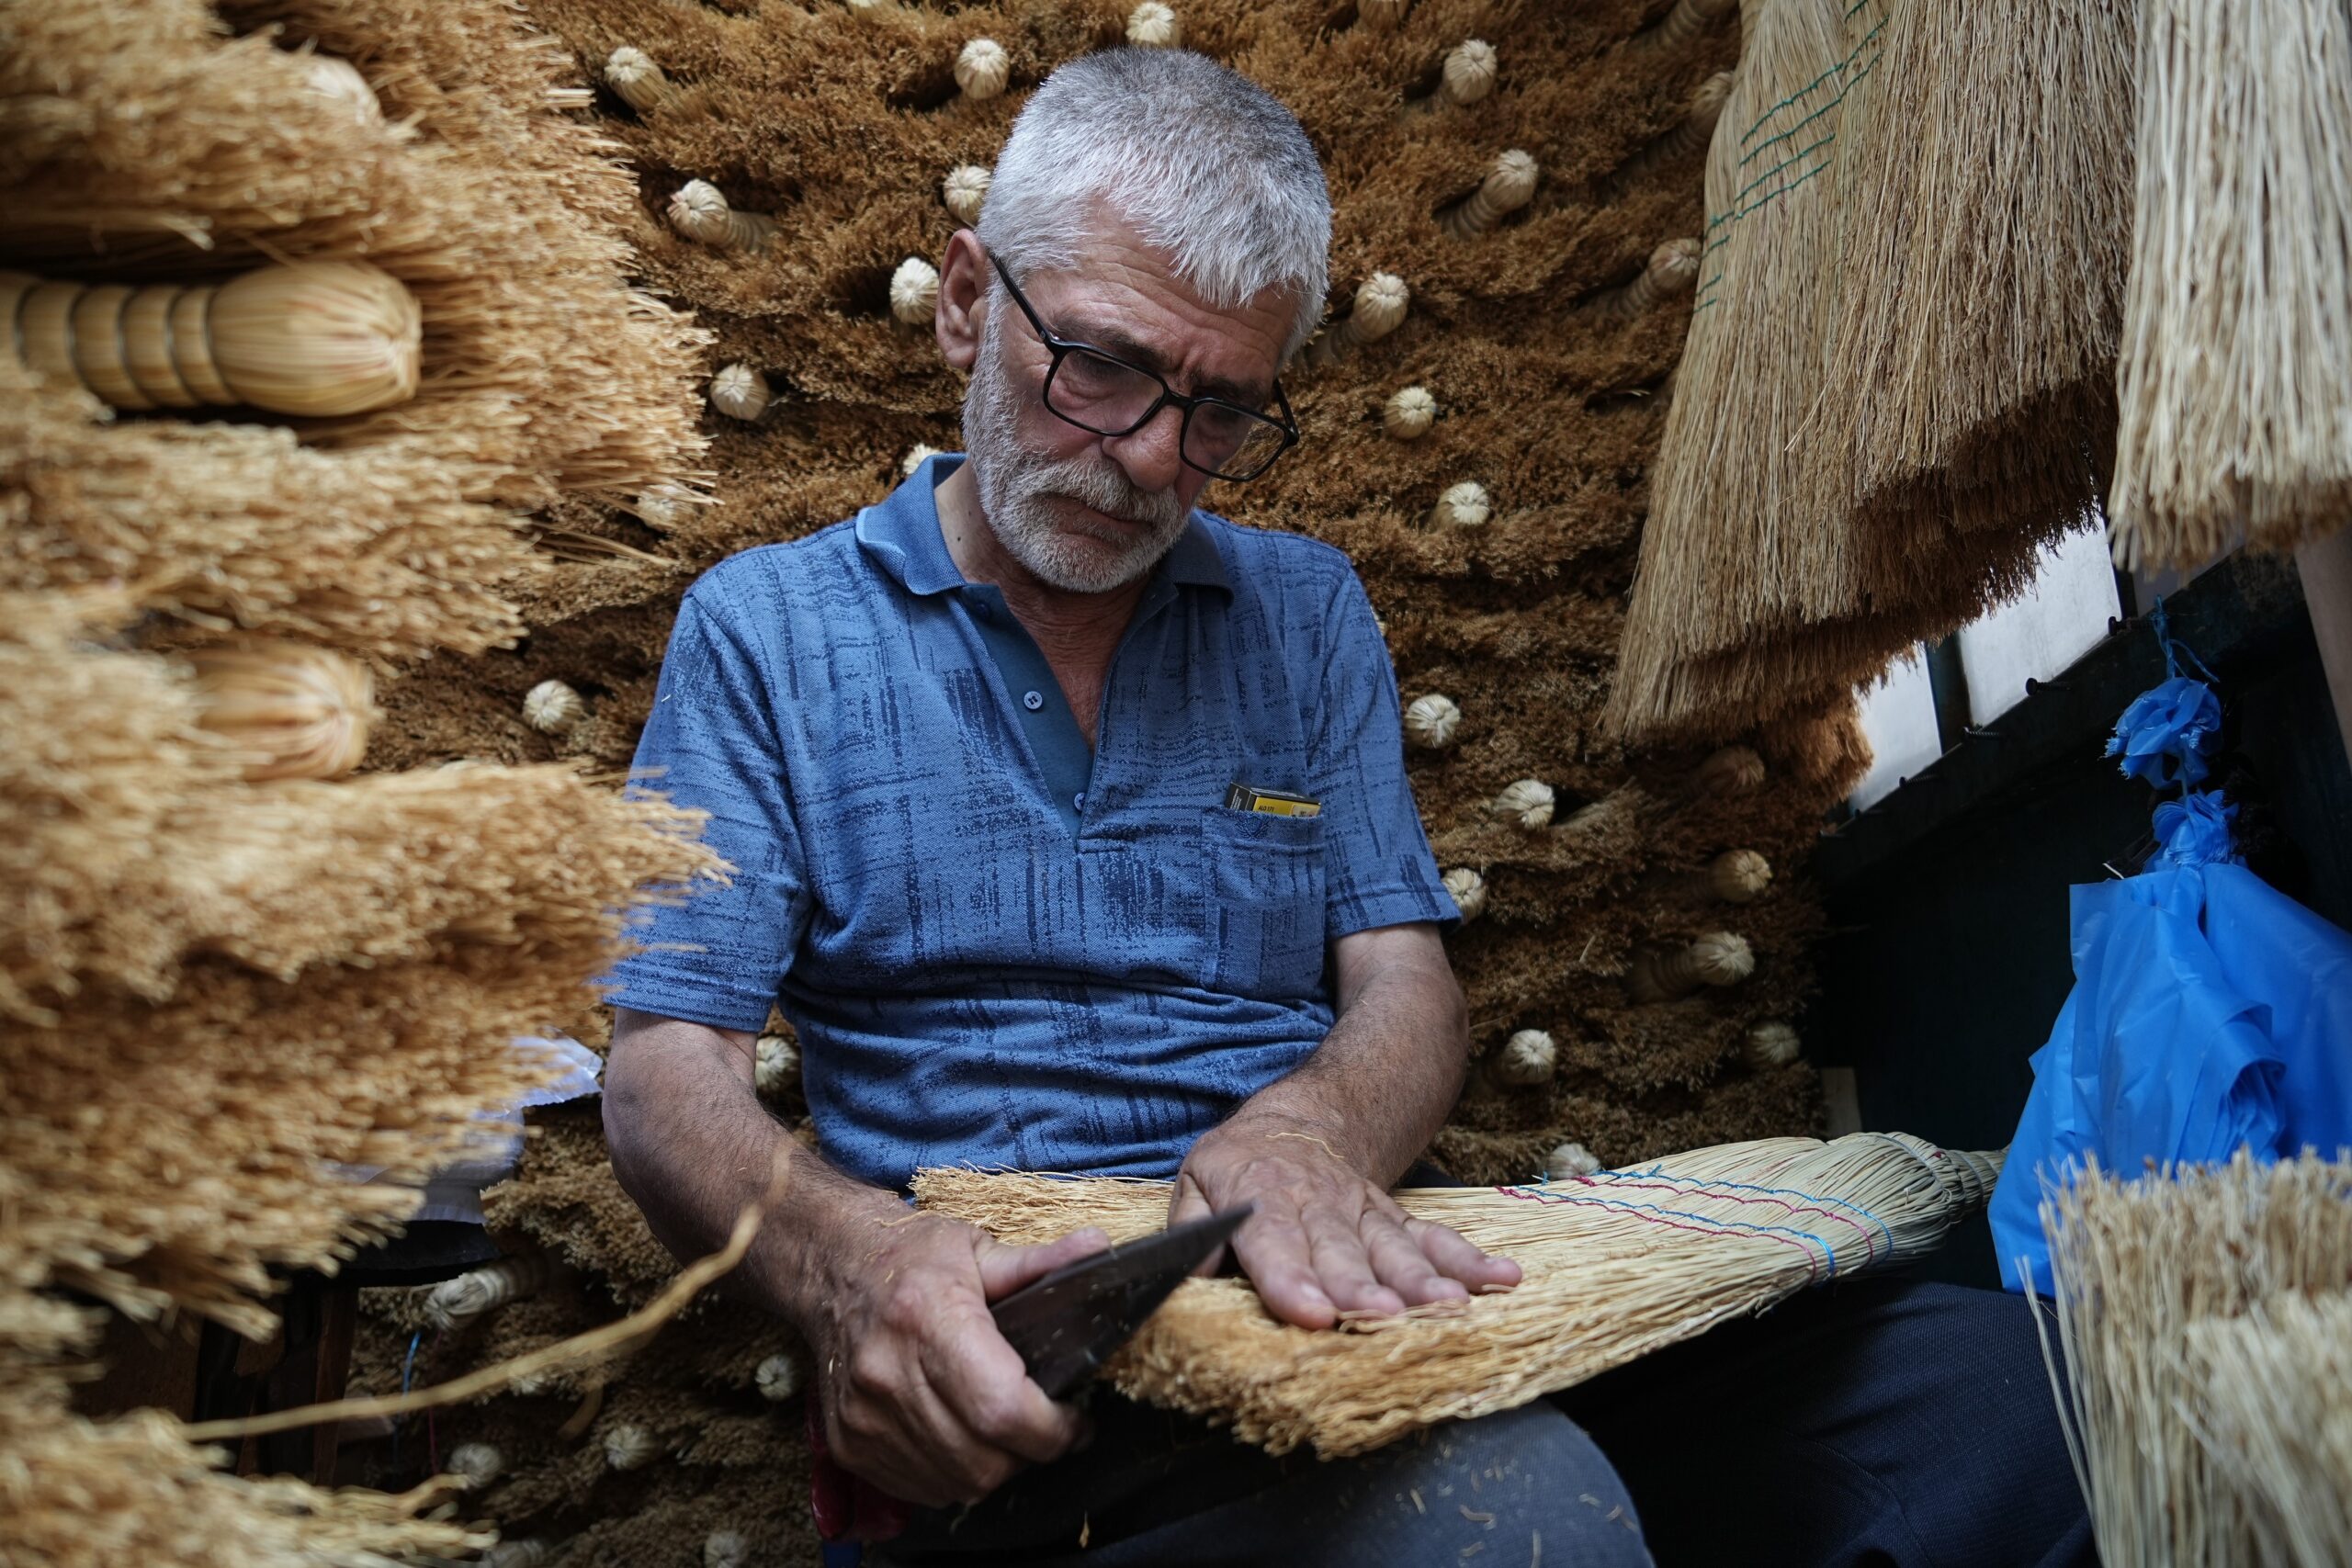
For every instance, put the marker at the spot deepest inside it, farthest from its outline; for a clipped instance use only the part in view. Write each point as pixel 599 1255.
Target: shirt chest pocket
pixel 1265 878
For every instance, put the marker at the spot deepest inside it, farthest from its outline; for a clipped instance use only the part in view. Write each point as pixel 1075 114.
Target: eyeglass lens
pixel 1111 399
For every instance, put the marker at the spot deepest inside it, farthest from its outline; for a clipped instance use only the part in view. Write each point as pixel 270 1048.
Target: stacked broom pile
pixel 310 305
pixel 1517 210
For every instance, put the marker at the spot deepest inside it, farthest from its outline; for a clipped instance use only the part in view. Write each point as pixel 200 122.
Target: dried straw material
pixel 1739 877
pixel 1468 890
pixel 1772 1044
pixel 1528 1057
pixel 631 73
pixel 476 1465
pixel 1431 721
pixel 1466 504
pixel 140 126
pixel 740 392
pixel 778 1378
pixel 1154 25
pixel 313 338
pixel 1469 72
pixel 294 712
pixel 629 1447
pixel 1681 27
pixel 1381 300
pixel 1685 141
pixel 1717 959
pixel 293 876
pixel 698 211
pixel 914 292
pixel 776 1064
pixel 1732 770
pixel 456 1302
pixel 340 82
pixel 1527 803
pixel 84 1493
pixel 1507 186
pixel 1382 16
pixel 1408 413
pixel 964 190
pixel 551 707
pixel 1732 545
pixel 2237 324
pixel 1969 357
pixel 2184 1298
pixel 1617 1263
pixel 2272 1421
pixel 983 68
pixel 378 553
pixel 1569 1162
pixel 1673 269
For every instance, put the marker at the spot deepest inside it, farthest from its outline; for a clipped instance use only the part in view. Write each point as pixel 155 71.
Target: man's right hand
pixel 921 1395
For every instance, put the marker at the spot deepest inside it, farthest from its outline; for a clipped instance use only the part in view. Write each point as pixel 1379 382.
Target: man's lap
pixel 1882 1422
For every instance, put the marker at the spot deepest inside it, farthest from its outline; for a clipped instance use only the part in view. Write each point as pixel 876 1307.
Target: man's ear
pixel 963 279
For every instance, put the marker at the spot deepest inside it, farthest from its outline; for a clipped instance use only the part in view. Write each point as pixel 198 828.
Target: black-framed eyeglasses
pixel 1099 391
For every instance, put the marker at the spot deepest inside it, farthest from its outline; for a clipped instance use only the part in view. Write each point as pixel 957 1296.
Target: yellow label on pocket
pixel 1273 802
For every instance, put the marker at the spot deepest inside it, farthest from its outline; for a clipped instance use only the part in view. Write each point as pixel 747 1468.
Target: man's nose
pixel 1152 455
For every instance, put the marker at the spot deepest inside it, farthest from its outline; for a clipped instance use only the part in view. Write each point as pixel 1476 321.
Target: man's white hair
pixel 1210 168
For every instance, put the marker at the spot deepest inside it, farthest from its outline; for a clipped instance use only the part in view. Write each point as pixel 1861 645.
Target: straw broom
pixel 2238 319
pixel 2161 1281
pixel 1986 191
pixel 380 554
pixel 1617 1263
pixel 1733 546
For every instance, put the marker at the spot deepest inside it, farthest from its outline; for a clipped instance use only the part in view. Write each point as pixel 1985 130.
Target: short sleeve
pixel 712 743
pixel 1381 872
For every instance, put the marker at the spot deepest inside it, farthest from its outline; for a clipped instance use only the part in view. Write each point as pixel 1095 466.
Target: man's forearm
pixel 692 1144
pixel 1380 1085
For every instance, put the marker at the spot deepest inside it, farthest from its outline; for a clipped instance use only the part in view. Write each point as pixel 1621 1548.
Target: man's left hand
pixel 1325 1240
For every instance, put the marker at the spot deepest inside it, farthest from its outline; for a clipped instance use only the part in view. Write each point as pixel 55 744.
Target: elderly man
pixel 975 754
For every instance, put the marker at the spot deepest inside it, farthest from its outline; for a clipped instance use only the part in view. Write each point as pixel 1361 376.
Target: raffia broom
pixel 1617 1263
pixel 2236 406
pixel 2182 1298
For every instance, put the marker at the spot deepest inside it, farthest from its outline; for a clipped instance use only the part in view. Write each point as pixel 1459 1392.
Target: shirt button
pixel 1079 801
pixel 1033 701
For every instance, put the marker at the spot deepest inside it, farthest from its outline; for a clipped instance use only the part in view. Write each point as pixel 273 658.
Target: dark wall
pixel 1948 900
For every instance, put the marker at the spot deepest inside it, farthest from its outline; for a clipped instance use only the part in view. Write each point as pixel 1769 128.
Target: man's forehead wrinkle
pixel 1116 297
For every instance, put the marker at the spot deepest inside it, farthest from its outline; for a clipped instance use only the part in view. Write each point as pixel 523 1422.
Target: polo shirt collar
pixel 904 537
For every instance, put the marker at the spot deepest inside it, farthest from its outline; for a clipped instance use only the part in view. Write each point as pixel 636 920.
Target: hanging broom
pixel 1617 1263
pixel 1733 547
pixel 310 338
pixel 1986 191
pixel 2182 1300
pixel 2237 324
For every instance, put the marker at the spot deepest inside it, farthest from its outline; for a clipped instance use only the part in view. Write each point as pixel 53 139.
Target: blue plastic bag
pixel 2210 1012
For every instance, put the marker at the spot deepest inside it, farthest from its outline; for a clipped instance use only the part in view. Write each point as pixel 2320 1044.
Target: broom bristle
pixel 2238 320
pixel 2161 1283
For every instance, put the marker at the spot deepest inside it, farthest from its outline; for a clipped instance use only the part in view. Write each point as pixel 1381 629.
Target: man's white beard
pixel 1015 486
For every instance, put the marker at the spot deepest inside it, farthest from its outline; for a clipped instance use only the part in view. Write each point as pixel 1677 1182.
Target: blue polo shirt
pixel 1000 949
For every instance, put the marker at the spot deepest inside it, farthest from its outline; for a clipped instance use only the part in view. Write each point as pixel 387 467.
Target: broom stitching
pixel 1702 1224
pixel 1793 99
pixel 1700 1186
pixel 1860 72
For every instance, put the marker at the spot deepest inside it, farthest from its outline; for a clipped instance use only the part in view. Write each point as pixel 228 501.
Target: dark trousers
pixel 1881 1422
